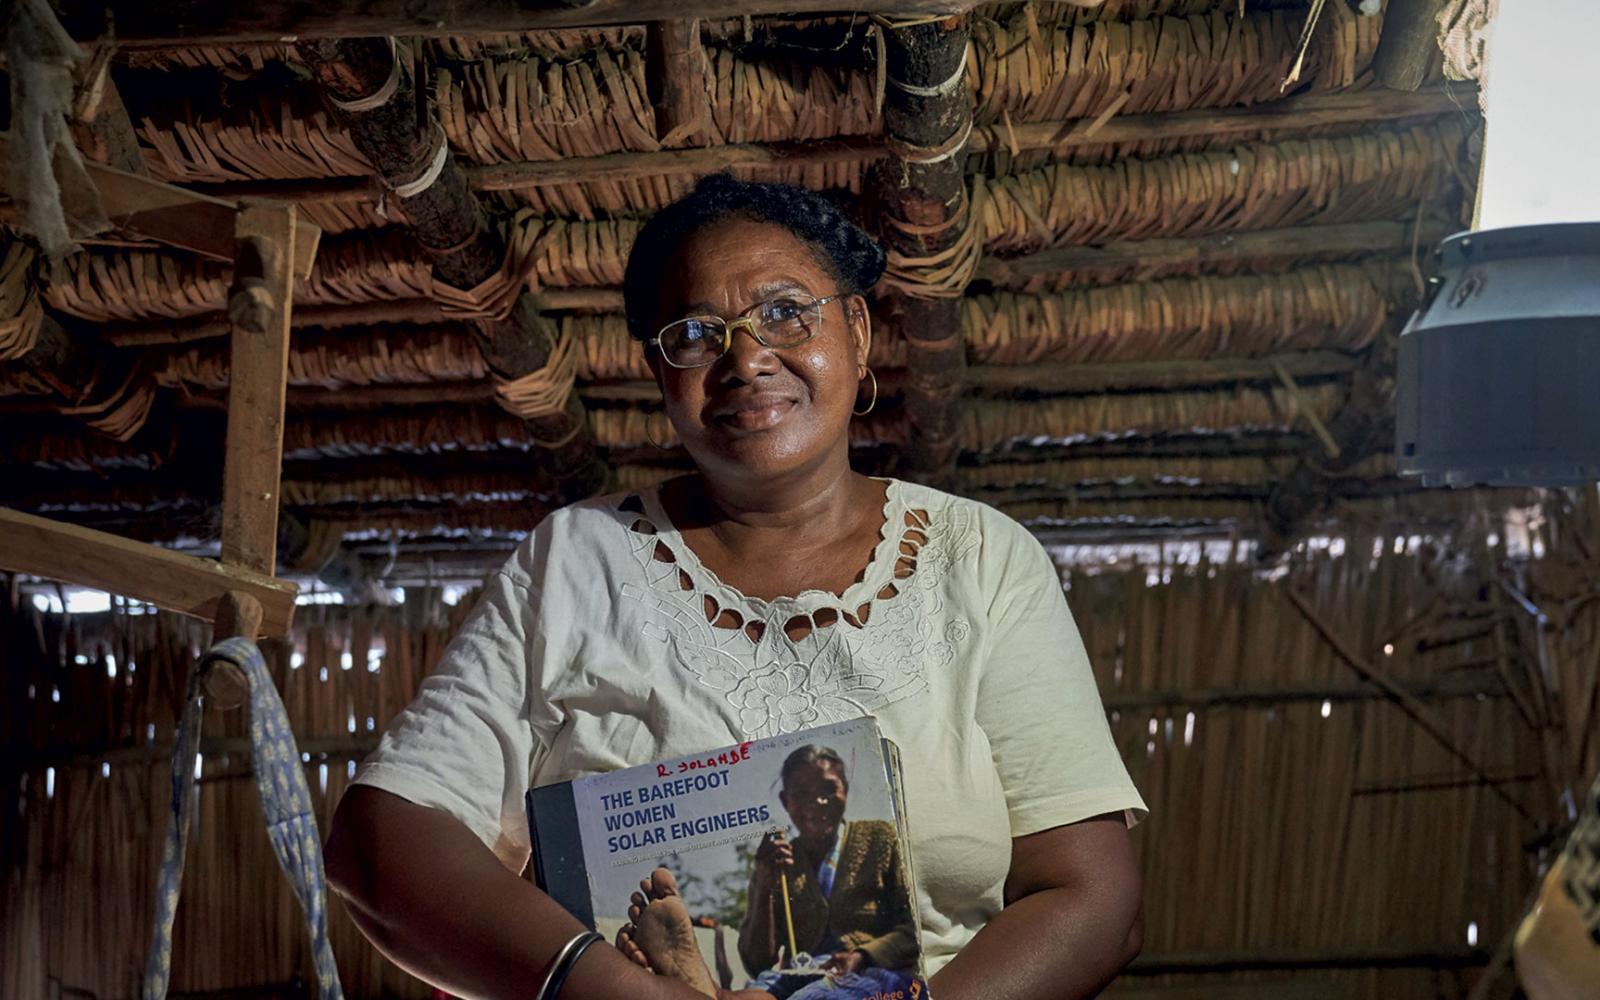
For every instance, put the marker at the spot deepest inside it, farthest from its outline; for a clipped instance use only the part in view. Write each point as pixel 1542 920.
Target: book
pixel 784 858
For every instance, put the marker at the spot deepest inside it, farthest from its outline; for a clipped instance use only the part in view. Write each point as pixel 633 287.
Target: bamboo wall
pixel 1284 819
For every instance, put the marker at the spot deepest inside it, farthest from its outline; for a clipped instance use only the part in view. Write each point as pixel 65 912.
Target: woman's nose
pixel 747 357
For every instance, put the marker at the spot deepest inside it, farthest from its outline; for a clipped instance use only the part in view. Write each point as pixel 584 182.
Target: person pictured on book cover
pixel 842 878
pixel 845 891
pixel 769 589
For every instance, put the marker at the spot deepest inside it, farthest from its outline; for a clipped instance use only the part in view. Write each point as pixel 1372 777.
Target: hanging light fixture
pixel 1499 371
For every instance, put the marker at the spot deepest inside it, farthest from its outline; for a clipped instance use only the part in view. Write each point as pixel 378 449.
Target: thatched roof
pixel 1186 267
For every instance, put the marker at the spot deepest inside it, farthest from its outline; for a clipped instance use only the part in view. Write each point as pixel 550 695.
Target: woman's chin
pixel 781 446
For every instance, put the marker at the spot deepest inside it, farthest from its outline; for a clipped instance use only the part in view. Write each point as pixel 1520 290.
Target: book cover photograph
pixel 776 866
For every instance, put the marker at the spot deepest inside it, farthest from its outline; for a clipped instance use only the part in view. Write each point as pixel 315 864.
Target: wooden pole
pixel 259 306
pixel 1409 44
pixel 373 94
pixel 107 562
pixel 167 23
pixel 238 614
pixel 927 226
pixel 675 70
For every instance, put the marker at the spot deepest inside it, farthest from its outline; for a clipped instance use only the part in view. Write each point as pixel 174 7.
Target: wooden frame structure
pixel 269 249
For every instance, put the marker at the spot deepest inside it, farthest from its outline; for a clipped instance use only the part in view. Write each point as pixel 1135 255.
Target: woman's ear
pixel 860 319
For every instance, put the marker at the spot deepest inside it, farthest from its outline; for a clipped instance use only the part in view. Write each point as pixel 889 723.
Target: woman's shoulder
pixel 584 529
pixel 964 525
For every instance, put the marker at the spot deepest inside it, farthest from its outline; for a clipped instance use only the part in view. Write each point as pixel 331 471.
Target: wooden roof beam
pixel 1409 45
pixel 1308 244
pixel 373 94
pixel 676 70
pixel 174 216
pixel 157 23
pixel 57 551
pixel 928 227
pixel 1045 379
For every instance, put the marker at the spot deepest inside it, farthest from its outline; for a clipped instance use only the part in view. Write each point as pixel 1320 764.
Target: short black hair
pixel 809 755
pixel 852 258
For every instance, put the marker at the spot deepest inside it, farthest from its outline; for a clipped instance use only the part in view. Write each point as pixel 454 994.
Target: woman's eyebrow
pixel 771 288
pixel 759 294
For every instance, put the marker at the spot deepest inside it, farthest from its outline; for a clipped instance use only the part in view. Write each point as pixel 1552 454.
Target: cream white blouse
pixel 604 643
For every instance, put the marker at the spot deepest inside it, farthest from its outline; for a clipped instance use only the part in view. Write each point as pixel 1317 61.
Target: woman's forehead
pixel 739 259
pixel 816 771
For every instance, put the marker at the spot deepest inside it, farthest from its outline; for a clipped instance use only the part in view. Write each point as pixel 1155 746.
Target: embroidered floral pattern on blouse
pixel 841 663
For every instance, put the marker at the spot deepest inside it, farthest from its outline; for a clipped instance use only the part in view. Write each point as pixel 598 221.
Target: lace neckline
pixel 879 571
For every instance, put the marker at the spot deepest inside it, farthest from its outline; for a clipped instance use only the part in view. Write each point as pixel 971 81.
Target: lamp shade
pixel 1499 372
pixel 1541 159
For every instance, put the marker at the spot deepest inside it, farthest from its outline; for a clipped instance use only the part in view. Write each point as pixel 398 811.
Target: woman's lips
pixel 756 414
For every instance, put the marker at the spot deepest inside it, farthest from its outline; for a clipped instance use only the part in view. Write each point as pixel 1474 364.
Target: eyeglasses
pixel 785 321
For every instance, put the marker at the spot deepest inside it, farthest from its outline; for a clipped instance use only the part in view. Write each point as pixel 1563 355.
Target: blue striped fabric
pixel 285 805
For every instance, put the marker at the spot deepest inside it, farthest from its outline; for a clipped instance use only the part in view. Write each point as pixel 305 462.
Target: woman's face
pixel 759 412
pixel 814 796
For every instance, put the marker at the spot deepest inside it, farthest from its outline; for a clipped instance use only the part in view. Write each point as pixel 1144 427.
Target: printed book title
pixel 662 811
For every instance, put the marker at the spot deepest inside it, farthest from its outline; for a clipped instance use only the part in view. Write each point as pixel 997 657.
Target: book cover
pixel 783 860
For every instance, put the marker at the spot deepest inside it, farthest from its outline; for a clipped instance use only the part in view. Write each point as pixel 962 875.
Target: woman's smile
pixel 755 412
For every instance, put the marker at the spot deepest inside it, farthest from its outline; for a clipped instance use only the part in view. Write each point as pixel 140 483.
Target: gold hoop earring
pixel 648 439
pixel 874 402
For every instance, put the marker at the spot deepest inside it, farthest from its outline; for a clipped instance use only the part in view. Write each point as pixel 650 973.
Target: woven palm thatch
pixel 1078 70
pixel 251 114
pixel 1167 471
pixel 537 106
pixel 995 482
pixel 1256 186
pixel 1338 306
pixel 1260 185
pixel 361 267
pixel 1335 305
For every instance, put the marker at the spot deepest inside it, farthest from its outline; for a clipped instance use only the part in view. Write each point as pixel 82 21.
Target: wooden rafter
pixel 168 580
pixel 676 70
pixel 372 91
pixel 924 221
pixel 173 216
pixel 195 22
pixel 259 305
pixel 1409 45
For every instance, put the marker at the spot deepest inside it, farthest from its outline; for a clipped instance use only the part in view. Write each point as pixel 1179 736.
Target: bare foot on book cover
pixel 661 936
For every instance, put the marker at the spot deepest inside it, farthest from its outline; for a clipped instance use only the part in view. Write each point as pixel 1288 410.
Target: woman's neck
pixel 818 850
pixel 820 504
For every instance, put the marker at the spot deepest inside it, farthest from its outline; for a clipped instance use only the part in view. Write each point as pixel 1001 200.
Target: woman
pixel 838 877
pixel 771 590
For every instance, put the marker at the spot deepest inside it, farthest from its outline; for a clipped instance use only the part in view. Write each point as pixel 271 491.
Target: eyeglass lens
pixel 781 322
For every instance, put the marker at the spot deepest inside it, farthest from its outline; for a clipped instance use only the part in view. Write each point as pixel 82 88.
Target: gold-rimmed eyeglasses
pixel 786 320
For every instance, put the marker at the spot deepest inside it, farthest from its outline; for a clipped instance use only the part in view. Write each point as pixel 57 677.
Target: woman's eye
pixel 695 331
pixel 782 310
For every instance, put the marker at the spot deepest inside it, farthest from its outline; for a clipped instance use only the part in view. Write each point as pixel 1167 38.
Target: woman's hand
pixel 847 962
pixel 774 854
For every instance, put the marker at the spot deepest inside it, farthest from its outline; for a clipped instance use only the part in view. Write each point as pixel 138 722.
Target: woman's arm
pixel 439 904
pixel 1070 924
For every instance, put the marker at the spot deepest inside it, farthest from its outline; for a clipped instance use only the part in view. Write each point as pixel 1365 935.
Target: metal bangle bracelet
pixel 565 959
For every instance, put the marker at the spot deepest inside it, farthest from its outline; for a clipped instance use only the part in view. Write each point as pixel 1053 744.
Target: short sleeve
pixel 465 745
pixel 1037 700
